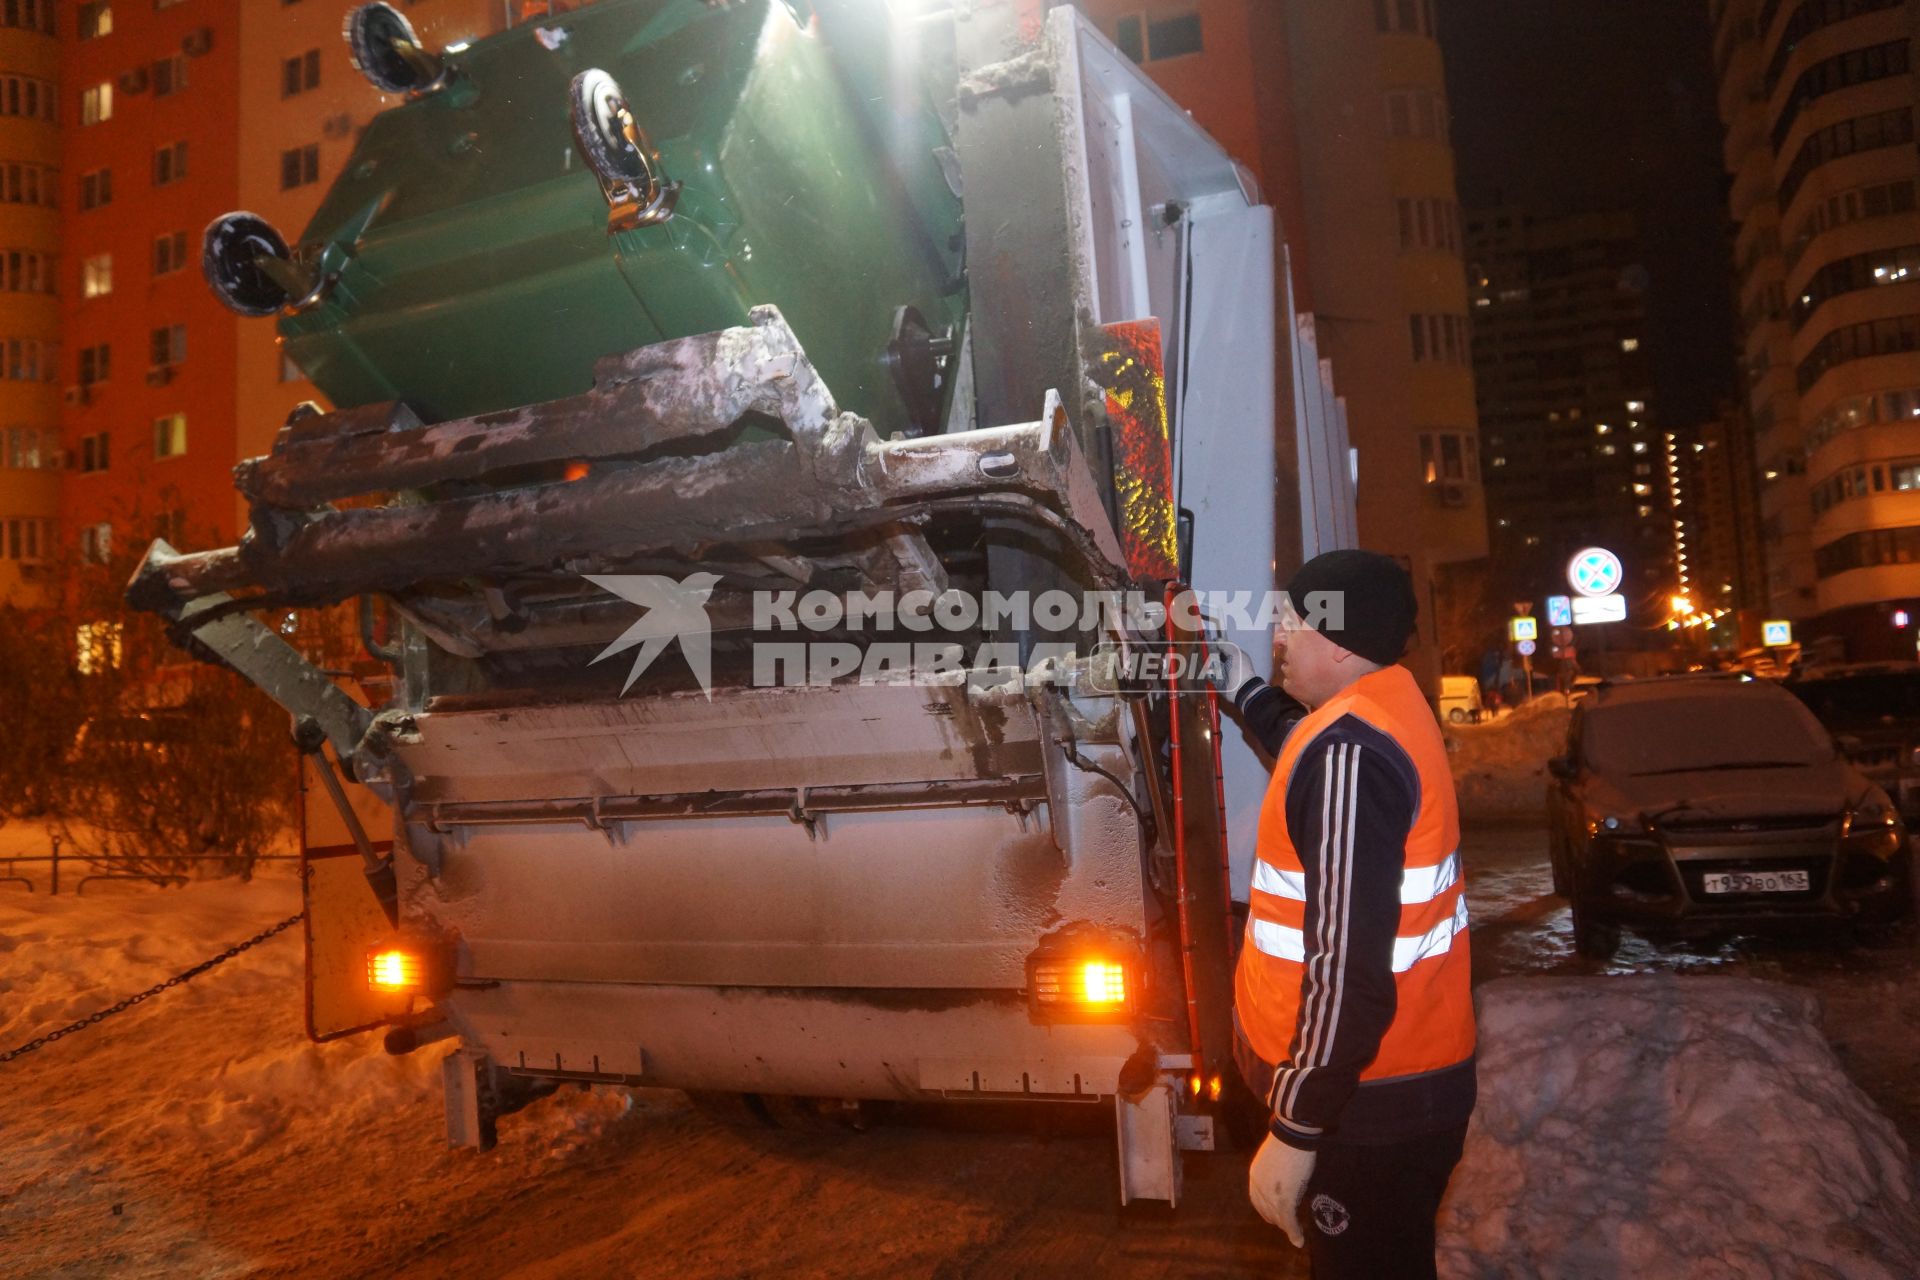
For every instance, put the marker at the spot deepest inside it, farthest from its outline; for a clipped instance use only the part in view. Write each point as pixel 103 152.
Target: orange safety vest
pixel 1432 1025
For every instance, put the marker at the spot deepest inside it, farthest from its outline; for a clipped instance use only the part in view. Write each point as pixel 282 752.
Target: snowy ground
pixel 200 1134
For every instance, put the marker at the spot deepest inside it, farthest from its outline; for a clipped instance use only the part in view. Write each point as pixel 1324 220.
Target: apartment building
pixel 1818 98
pixel 1339 108
pixel 1573 450
pixel 30 267
pixel 170 113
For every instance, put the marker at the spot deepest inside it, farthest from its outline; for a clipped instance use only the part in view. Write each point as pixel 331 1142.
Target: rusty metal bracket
pixel 247 646
pixel 806 817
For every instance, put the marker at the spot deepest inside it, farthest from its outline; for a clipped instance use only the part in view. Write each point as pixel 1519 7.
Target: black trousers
pixel 1369 1209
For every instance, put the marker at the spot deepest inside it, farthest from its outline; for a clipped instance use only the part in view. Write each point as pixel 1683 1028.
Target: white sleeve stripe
pixel 1315 1021
pixel 1345 934
pixel 1339 802
pixel 1305 1024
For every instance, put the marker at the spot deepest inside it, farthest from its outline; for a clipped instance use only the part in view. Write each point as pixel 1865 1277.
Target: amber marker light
pixel 1103 985
pixel 394 971
pixel 1068 985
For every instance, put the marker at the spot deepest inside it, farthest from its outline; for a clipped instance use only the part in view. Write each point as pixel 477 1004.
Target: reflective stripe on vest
pixel 1417 884
pixel 1283 943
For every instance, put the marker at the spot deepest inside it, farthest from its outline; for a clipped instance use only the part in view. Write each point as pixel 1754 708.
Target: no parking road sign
pixel 1595 571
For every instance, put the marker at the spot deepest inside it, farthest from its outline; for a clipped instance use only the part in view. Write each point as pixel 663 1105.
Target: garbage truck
pixel 733 407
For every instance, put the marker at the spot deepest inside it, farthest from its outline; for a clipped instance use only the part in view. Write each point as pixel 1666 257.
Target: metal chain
pixel 178 978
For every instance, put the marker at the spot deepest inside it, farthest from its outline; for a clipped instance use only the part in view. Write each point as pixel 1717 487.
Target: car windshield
pixel 1744 729
pixel 1862 700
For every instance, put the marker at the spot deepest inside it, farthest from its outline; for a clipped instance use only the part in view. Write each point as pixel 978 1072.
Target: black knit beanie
pixel 1379 607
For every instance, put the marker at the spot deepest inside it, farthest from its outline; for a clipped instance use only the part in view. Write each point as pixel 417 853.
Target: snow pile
pixel 171 1139
pixel 1672 1126
pixel 1500 766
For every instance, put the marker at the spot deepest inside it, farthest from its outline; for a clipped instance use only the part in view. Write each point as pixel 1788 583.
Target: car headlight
pixel 1870 814
pixel 1873 826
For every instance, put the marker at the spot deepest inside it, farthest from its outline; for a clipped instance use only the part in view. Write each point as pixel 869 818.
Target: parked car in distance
pixel 1698 804
pixel 1872 709
pixel 1584 686
pixel 1460 700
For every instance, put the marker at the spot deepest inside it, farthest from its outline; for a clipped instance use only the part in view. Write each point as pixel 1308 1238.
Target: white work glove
pixel 1277 1182
pixel 1236 664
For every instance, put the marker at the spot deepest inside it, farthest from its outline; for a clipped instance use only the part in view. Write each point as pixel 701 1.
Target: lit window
pixel 1629 344
pixel 94 19
pixel 97 645
pixel 1601 429
pixel 170 436
pixel 96 276
pixel 1639 446
pixel 96 104
pixel 1636 406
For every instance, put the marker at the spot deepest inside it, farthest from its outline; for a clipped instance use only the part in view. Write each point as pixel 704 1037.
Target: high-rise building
pixel 1818 98
pixel 1339 108
pixel 29 279
pixel 1718 511
pixel 172 113
pixel 1572 446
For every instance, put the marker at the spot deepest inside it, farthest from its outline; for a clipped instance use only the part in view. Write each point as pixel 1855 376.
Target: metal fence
pixel 83 869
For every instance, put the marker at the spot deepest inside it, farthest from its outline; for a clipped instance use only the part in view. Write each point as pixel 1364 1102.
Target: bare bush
pixel 137 752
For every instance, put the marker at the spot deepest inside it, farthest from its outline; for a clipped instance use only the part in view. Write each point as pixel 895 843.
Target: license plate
pixel 1756 882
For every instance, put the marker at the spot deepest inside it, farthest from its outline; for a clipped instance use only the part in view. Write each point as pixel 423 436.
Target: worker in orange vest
pixel 1351 997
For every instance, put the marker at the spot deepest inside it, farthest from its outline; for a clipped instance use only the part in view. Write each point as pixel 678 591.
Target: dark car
pixel 1873 712
pixel 1695 805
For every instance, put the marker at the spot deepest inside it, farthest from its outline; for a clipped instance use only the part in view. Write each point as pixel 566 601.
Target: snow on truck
pixel 642 323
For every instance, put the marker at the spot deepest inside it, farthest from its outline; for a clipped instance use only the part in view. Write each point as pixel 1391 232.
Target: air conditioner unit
pixel 337 126
pixel 198 42
pixel 1453 493
pixel 134 81
pixel 160 375
pixel 81 394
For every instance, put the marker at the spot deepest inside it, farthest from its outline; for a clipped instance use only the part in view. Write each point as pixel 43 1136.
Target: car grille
pixel 1745 826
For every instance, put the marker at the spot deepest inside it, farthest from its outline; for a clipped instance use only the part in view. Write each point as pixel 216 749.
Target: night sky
pixel 1571 105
